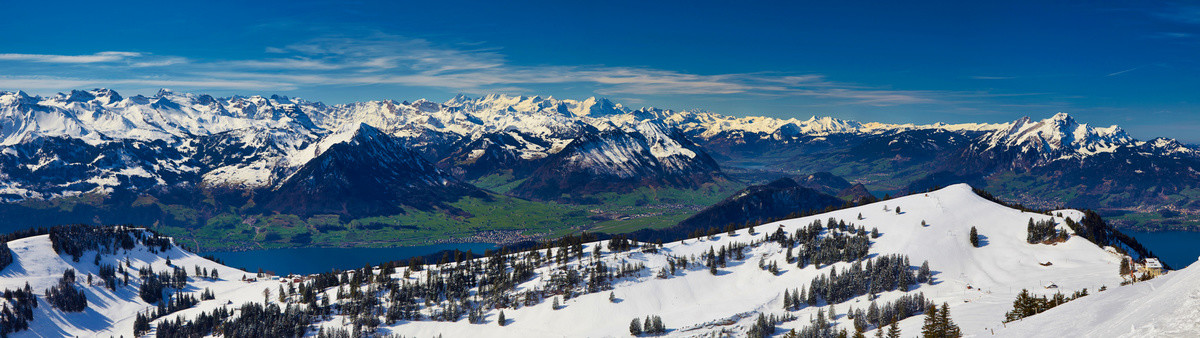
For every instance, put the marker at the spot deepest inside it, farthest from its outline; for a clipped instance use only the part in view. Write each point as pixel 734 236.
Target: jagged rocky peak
pixel 78 96
pixel 281 99
pixel 1166 146
pixel 363 171
pixel 17 97
pixel 596 107
pixel 829 124
pixel 164 92
pixel 1058 134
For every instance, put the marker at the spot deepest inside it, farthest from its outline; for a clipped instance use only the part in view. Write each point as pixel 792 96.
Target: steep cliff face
pixel 621 160
pixel 369 173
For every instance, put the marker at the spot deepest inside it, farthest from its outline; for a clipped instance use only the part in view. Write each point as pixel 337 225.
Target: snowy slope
pixel 108 312
pixel 997 272
pixel 1166 306
pixel 691 303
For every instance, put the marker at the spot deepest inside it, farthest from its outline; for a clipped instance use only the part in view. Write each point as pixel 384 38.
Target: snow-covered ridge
pixel 979 283
pixel 255 141
pixel 99 115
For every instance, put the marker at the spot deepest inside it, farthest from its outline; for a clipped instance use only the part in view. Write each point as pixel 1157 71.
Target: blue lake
pixel 317 260
pixel 1176 248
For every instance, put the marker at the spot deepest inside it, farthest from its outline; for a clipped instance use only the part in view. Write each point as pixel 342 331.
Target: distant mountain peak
pixel 1058 135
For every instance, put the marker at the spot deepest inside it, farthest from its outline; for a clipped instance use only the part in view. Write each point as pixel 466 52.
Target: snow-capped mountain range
pixel 97 140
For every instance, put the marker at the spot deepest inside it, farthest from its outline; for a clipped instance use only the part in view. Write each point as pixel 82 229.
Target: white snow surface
pixel 109 312
pixel 1167 306
pixel 996 272
pixel 690 301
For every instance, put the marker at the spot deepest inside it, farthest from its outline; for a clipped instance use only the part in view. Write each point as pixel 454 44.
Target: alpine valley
pixel 254 172
pixel 250 172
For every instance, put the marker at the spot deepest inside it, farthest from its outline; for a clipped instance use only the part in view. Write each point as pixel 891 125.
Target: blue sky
pixel 1133 64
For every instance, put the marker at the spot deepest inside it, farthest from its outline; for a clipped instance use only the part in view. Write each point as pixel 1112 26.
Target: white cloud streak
pixel 49 58
pixel 391 60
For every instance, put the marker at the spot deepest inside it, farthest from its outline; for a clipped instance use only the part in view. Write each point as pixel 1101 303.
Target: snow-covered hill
pixel 1162 307
pixel 979 283
pixel 109 312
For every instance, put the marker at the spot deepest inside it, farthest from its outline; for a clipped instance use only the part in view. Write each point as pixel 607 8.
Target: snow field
pixel 694 303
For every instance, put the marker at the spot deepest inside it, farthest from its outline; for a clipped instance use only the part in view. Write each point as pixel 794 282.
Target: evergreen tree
pixel 894 329
pixel 635 327
pixel 932 327
pixel 974 237
pixel 924 275
pixel 65 296
pixel 141 325
pixel 949 329
pixel 500 319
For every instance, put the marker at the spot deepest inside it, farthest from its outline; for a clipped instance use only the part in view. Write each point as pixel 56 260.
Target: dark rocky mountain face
pixel 856 193
pixel 495 153
pixel 369 174
pixel 825 182
pixel 778 199
pixel 620 161
pixel 48 167
pixel 1044 165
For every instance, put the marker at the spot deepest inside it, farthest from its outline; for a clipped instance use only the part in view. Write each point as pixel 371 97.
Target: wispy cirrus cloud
pixel 56 83
pixel 380 59
pixel 1172 35
pixel 383 59
pixel 1122 71
pixel 50 58
pixel 985 77
pixel 1180 13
